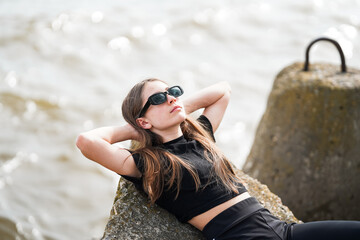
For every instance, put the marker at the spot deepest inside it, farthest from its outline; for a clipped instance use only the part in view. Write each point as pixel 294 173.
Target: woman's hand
pixel 134 134
pixel 214 99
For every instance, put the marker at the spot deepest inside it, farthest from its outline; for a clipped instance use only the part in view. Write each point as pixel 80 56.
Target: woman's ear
pixel 143 123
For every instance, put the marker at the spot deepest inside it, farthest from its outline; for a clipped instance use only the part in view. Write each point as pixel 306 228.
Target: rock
pixel 133 218
pixel 306 148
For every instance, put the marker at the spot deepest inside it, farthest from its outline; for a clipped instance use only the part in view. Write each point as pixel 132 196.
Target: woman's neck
pixel 169 134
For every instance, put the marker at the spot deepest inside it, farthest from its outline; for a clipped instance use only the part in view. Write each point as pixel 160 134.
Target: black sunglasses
pixel 159 98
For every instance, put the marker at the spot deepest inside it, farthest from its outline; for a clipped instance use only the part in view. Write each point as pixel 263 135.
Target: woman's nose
pixel 171 99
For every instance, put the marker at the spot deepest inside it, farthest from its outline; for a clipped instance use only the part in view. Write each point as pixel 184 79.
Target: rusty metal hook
pixel 337 45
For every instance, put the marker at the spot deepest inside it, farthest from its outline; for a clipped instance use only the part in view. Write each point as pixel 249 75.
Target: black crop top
pixel 190 202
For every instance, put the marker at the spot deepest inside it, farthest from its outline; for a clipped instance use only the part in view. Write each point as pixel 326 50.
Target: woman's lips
pixel 176 107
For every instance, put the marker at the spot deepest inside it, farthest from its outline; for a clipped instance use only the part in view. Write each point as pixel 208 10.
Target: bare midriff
pixel 201 220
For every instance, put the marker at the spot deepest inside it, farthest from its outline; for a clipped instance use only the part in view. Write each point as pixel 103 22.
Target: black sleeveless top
pixel 190 202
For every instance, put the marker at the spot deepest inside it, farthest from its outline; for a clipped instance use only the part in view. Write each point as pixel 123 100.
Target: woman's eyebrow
pixel 163 91
pixel 160 91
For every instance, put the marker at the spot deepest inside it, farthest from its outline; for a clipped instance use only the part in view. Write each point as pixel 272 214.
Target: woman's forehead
pixel 153 87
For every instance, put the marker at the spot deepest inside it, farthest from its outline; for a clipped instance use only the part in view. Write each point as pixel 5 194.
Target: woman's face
pixel 166 115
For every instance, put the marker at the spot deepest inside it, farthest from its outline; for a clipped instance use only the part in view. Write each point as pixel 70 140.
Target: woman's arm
pixel 214 99
pixel 97 145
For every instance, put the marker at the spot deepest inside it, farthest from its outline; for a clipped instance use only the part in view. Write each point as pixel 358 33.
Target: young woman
pixel 177 164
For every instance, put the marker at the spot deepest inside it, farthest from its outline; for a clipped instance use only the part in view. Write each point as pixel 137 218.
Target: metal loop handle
pixel 337 45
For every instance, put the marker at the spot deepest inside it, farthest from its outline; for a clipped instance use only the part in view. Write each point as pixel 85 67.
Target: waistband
pixel 231 216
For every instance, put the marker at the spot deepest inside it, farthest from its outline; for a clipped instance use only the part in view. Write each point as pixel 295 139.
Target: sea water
pixel 65 67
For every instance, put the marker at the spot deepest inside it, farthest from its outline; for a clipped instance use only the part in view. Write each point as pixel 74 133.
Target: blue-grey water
pixel 65 67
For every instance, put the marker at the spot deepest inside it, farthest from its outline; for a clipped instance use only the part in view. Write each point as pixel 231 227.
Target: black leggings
pixel 248 220
pixel 331 230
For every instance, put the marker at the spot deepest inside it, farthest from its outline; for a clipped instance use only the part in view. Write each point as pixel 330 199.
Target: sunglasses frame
pixel 151 102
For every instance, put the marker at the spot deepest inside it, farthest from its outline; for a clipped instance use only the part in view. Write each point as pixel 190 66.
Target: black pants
pixel 331 230
pixel 248 220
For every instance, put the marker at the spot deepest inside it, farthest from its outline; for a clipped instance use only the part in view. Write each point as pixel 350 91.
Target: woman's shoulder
pixel 137 159
pixel 206 124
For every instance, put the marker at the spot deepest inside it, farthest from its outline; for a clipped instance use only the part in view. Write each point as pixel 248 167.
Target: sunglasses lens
pixel 175 91
pixel 158 98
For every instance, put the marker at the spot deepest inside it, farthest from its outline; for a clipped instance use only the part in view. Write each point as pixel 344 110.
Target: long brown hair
pixel 162 169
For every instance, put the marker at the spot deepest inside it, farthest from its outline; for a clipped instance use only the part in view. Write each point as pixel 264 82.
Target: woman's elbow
pixel 226 87
pixel 82 141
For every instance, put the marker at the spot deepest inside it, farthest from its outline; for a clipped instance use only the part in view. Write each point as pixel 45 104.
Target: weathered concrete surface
pixel 133 218
pixel 307 145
